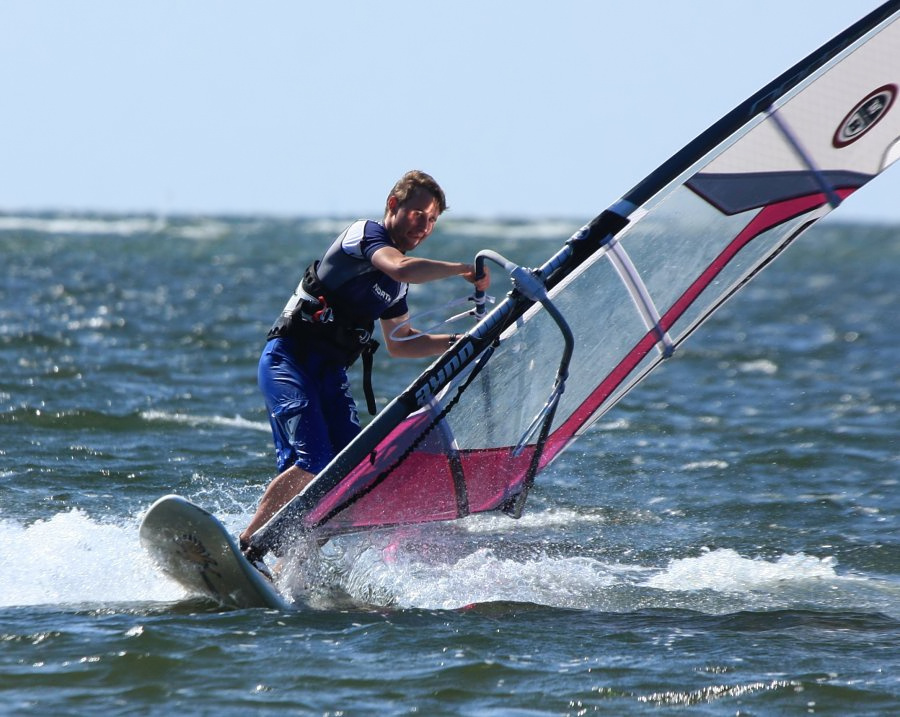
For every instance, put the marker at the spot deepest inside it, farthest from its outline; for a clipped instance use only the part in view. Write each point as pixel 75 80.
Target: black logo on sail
pixel 865 116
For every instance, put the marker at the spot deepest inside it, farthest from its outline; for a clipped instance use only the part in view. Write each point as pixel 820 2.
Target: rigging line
pixel 827 188
pixel 640 295
pixel 545 416
pixel 539 418
pixel 455 463
pixel 440 309
pixel 531 285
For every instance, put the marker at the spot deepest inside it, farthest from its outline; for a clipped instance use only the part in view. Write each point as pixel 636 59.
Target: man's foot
pixel 255 558
pixel 262 568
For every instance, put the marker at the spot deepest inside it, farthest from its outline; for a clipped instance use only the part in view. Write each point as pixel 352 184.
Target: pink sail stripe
pixel 764 220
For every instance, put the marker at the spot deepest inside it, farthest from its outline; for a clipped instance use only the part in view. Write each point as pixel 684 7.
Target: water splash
pixel 727 571
pixel 72 558
pixel 410 569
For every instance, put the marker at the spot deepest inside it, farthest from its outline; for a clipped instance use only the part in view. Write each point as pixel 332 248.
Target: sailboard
pixel 618 298
pixel 193 548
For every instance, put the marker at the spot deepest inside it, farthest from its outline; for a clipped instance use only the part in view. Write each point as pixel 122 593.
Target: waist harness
pixel 313 313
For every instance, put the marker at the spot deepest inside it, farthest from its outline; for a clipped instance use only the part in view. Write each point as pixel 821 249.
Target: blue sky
pixel 519 108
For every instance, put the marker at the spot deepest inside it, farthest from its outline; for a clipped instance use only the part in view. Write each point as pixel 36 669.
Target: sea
pixel 723 542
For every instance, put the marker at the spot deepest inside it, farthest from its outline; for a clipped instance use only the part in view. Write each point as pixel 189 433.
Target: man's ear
pixel 392 204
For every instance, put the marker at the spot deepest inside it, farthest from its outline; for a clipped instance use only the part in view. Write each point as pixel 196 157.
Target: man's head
pixel 412 209
pixel 417 180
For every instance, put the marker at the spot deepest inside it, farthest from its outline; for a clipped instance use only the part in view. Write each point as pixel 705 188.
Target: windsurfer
pixel 327 324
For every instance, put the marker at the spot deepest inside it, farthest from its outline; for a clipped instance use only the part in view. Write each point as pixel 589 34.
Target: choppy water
pixel 724 542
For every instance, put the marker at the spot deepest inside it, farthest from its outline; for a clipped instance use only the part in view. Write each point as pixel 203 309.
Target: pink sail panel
pixel 494 476
pixel 419 490
pixel 379 463
pixel 430 483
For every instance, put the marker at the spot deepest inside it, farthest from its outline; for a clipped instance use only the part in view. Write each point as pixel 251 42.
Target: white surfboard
pixel 193 548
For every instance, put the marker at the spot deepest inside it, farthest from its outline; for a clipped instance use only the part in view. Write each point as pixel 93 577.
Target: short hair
pixel 413 180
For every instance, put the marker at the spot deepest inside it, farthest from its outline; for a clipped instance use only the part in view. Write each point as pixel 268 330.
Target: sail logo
pixel 864 116
pixel 439 378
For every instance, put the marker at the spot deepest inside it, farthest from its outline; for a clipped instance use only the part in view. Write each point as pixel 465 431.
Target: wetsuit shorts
pixel 311 411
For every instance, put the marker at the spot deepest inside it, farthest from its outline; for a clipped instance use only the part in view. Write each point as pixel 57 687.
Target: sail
pixel 578 333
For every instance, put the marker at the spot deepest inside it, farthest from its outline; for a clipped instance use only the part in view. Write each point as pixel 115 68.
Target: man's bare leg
pixel 279 492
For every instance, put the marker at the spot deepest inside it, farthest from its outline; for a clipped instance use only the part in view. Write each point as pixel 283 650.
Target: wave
pixel 419 569
pixel 196 420
pixel 75 559
pixel 199 228
pixel 85 419
pixel 61 224
pixel 219 227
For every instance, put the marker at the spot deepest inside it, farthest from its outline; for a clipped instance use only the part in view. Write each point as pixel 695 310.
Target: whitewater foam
pixel 725 570
pixel 405 572
pixel 193 420
pixel 75 559
pixel 72 558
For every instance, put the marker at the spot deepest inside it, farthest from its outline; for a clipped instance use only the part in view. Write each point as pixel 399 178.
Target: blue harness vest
pixel 317 318
pixel 333 308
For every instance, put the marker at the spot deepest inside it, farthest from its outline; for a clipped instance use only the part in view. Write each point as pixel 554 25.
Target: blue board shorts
pixel 311 411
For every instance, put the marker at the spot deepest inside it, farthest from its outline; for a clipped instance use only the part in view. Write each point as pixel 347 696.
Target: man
pixel 327 324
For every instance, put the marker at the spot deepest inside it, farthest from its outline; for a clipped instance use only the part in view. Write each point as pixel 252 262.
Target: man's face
pixel 410 223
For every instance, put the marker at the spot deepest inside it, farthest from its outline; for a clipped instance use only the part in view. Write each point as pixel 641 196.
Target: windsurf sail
pixel 579 332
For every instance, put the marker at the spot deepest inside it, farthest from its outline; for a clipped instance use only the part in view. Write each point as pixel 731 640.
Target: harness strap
pixel 367 360
pixel 324 313
pixel 314 314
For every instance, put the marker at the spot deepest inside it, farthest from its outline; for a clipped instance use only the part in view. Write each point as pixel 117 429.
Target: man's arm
pixel 418 270
pixel 410 343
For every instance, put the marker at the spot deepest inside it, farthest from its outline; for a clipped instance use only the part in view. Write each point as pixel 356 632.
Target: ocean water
pixel 725 541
